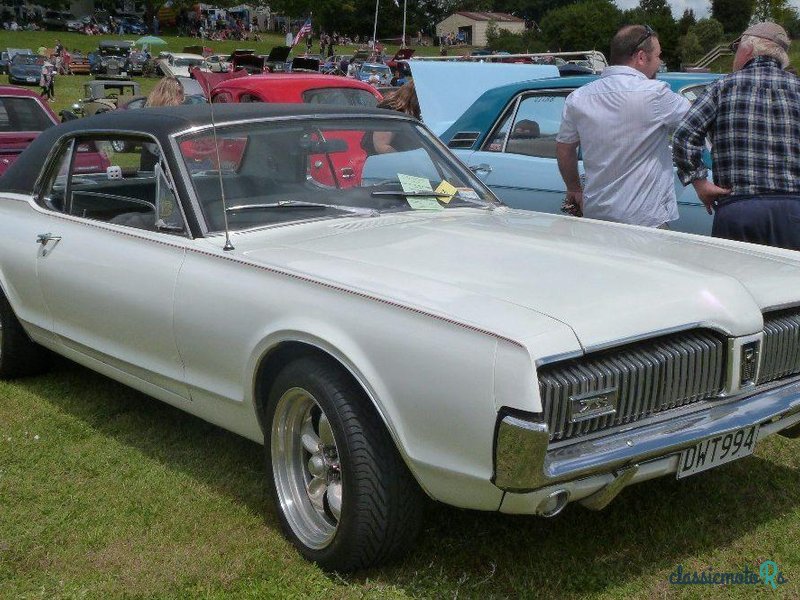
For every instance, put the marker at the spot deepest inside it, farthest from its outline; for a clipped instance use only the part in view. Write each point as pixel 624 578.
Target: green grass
pixel 106 493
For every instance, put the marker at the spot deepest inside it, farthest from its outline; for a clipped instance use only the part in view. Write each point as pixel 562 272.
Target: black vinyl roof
pixel 161 123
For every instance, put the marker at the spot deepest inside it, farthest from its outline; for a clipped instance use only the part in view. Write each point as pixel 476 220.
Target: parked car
pixel 179 63
pixel 54 19
pixel 105 95
pixel 326 340
pixel 112 59
pixel 23 116
pixel 378 73
pixel 218 63
pixel 132 24
pixel 7 55
pixel 521 168
pixel 297 87
pixel 26 69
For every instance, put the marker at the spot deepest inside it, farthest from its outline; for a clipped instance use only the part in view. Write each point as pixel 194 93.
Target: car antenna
pixel 228 245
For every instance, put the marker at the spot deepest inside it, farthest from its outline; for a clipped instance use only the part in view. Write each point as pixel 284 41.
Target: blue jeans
pixel 770 219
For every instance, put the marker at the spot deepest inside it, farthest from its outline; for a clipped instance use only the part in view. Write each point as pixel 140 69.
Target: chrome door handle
pixel 43 238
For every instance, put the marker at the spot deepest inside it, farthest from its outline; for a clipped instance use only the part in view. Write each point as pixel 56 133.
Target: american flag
pixel 304 31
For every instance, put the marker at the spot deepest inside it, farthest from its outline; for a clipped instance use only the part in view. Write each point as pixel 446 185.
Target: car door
pixel 518 158
pixel 111 246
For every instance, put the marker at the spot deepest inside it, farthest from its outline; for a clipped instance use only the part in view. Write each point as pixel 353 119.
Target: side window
pixel 536 125
pixel 116 180
pixel 497 139
pixel 55 188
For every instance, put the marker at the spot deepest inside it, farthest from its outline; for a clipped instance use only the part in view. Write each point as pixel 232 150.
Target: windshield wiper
pixel 424 194
pixel 366 212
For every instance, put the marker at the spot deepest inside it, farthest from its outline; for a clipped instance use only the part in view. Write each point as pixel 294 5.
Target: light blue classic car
pixel 507 134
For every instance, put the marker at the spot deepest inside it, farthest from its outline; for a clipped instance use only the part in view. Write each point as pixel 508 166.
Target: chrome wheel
pixel 306 468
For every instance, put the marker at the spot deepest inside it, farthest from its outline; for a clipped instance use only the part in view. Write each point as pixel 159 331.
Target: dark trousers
pixel 772 220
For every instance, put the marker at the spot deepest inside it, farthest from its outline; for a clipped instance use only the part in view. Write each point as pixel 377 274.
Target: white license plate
pixel 718 450
pixel 32 79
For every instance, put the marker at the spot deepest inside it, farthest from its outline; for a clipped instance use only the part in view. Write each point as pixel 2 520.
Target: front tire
pixel 344 496
pixel 19 355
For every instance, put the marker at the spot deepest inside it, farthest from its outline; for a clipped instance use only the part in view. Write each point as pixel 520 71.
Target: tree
pixel 780 12
pixel 586 25
pixel 689 48
pixel 515 43
pixel 658 15
pixel 686 21
pixel 733 14
pixel 709 33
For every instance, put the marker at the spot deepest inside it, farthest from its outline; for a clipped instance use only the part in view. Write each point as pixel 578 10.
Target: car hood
pixel 607 282
pixel 435 82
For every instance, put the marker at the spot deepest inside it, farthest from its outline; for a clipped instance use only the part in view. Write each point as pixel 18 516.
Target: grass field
pixel 106 493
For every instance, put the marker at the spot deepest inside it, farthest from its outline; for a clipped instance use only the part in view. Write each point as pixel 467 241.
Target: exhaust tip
pixel 553 504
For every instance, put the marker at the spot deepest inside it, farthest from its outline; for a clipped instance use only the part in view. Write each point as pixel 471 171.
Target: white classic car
pixel 381 323
pixel 175 64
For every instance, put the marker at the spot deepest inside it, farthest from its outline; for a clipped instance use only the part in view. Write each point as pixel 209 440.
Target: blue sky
pixel 700 6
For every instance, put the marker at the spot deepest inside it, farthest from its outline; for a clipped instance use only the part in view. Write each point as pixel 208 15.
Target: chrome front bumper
pixel 524 462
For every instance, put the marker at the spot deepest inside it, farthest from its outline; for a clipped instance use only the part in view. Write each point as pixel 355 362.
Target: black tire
pixel 380 503
pixel 19 356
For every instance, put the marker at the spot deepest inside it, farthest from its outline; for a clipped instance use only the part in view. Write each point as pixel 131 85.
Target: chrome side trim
pixel 524 463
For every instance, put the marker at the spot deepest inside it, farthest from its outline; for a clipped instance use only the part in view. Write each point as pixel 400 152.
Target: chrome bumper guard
pixel 524 462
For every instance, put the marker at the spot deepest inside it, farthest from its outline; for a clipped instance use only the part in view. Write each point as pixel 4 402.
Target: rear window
pixel 22 114
pixel 340 97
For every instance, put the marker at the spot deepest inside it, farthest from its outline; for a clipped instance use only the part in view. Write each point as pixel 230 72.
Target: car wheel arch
pixel 279 355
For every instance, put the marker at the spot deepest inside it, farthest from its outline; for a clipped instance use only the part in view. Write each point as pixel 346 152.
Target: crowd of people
pixel 623 120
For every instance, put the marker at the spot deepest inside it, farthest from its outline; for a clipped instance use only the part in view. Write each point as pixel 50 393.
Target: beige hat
pixel 769 31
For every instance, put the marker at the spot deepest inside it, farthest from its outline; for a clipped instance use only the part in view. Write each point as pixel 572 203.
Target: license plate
pixel 718 450
pixel 31 79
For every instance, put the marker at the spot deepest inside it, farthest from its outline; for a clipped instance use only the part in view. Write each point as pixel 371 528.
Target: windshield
pixel 340 96
pixel 375 69
pixel 27 59
pixel 188 62
pixel 282 171
pixel 22 114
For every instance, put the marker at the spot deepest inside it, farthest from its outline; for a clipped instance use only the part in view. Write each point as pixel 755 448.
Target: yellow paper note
pixel 446 188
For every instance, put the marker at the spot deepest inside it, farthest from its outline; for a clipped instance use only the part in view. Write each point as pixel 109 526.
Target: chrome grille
pixel 780 350
pixel 649 377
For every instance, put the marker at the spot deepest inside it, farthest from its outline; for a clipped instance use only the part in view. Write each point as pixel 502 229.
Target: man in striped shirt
pixel 752 118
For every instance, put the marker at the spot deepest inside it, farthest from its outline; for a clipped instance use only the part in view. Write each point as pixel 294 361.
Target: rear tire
pixel 19 356
pixel 344 496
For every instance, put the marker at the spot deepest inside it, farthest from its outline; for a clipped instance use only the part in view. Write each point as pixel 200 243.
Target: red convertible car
pixel 297 88
pixel 23 116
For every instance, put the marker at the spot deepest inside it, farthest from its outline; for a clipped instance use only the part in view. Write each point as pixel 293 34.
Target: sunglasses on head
pixel 648 33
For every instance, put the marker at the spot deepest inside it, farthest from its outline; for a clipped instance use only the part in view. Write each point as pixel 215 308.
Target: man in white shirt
pixel 622 122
